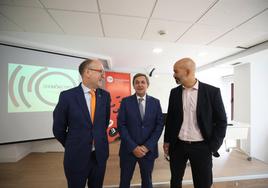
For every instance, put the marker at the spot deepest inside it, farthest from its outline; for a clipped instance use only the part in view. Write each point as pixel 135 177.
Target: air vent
pixel 241 47
pixel 237 63
pixel 251 46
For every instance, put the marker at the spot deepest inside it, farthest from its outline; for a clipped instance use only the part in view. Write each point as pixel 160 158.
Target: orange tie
pixel 92 104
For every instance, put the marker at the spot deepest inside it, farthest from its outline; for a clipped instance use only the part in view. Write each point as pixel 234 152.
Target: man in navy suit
pixel 195 126
pixel 140 125
pixel 84 137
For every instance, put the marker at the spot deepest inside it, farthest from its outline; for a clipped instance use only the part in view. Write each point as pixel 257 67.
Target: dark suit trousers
pixel 127 170
pixel 200 158
pixel 93 176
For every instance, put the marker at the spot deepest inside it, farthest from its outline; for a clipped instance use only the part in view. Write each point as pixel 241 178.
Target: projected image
pixel 36 88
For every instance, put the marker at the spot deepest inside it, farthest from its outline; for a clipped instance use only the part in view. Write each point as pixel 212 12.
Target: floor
pixel 40 170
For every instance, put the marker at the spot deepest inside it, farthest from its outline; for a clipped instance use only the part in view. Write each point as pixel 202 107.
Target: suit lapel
pixel 135 104
pixel 147 106
pixel 180 104
pixel 82 103
pixel 200 99
pixel 99 102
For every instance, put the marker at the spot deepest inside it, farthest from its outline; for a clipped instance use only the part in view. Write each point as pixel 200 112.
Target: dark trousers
pixel 93 176
pixel 127 170
pixel 200 158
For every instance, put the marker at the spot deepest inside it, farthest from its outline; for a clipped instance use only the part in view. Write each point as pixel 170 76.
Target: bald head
pixel 186 63
pixel 184 72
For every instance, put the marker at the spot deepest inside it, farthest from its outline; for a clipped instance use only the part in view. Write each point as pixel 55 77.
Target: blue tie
pixel 141 107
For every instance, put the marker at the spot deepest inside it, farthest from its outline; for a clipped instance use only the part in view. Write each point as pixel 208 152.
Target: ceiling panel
pixel 181 10
pixel 257 38
pixel 77 5
pixel 201 34
pixel 230 13
pixel 141 8
pixel 173 30
pixel 6 25
pixel 31 19
pixel 123 27
pixel 78 23
pixel 253 32
pixel 241 38
pixel 258 23
pixel 26 3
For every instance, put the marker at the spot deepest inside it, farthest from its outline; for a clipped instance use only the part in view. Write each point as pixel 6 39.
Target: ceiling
pixel 126 31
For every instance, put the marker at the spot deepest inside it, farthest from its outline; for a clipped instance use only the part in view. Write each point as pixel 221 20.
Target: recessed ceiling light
pixel 157 50
pixel 202 54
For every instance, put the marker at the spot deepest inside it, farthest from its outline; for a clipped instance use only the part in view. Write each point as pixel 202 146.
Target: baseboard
pixel 13 159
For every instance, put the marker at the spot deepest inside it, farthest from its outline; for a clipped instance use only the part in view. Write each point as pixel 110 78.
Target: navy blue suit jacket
pixel 134 131
pixel 210 112
pixel 73 128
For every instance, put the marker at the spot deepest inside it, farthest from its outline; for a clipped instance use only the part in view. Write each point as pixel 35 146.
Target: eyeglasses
pixel 97 70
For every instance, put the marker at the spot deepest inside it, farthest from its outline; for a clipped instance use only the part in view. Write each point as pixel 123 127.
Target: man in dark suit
pixel 195 126
pixel 81 118
pixel 140 125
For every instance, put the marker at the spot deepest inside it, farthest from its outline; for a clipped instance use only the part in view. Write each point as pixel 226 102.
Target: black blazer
pixel 211 116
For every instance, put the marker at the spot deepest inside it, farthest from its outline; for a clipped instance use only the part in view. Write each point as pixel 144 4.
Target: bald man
pixel 81 119
pixel 195 126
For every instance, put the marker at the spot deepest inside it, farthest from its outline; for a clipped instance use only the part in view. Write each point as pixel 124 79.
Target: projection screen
pixel 30 83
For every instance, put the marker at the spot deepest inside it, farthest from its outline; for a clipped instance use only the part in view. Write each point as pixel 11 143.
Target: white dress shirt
pixel 189 129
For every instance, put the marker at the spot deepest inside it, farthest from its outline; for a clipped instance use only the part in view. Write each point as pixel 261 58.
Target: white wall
pixel 242 96
pixel 259 105
pixel 250 105
pixel 242 93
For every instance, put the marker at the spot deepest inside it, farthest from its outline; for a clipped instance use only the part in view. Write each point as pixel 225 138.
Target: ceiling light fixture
pixel 202 54
pixel 157 50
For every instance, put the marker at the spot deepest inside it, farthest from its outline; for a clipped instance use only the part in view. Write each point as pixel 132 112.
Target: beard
pixel 178 81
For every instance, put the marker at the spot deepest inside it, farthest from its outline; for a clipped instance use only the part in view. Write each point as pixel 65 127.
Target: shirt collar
pixel 195 86
pixel 144 97
pixel 85 89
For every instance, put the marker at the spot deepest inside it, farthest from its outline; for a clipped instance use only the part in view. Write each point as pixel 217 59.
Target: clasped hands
pixel 140 151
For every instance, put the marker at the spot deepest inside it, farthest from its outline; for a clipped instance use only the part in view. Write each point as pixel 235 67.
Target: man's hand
pixel 138 152
pixel 144 149
pixel 166 148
